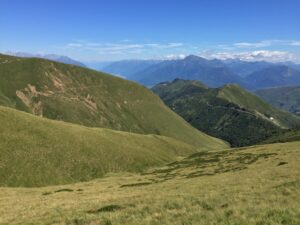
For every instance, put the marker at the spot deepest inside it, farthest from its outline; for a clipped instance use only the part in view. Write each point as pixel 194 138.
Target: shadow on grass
pixel 209 164
pixel 136 184
pixel 108 208
pixel 64 190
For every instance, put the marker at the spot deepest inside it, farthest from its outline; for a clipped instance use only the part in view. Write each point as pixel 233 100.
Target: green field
pixel 255 185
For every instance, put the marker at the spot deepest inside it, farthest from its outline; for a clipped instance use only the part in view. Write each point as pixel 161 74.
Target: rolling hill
pixel 90 98
pixel 286 98
pixel 229 112
pixel 36 151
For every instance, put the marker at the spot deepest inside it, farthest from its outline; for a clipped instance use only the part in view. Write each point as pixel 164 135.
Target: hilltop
pixel 229 112
pixel 90 98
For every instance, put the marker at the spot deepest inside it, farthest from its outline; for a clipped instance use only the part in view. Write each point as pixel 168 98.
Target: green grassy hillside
pixel 36 152
pixel 86 97
pixel 286 98
pixel 246 186
pixel 229 113
pixel 244 99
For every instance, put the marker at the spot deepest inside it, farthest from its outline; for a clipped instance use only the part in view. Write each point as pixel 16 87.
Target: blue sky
pixel 90 30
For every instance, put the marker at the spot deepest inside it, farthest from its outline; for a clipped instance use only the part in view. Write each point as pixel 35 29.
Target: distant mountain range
pixel 275 76
pixel 214 73
pixel 127 68
pixel 244 68
pixel 229 112
pixel 53 57
pixel 211 72
pixel 286 98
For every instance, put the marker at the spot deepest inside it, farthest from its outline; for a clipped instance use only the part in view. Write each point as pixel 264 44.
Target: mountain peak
pixel 193 57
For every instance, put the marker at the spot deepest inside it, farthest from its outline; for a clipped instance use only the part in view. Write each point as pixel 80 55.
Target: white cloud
pixel 261 55
pixel 152 45
pixel 225 47
pixel 251 51
pixel 74 45
pixel 252 45
pixel 124 47
pixel 266 43
pixel 173 56
pixel 165 46
pixel 263 52
pixel 174 45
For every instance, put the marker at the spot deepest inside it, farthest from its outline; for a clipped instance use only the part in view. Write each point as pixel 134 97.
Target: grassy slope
pixel 37 152
pixel 248 186
pixel 237 95
pixel 286 98
pixel 225 112
pixel 79 95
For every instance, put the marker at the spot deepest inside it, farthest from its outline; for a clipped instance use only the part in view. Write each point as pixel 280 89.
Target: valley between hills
pixel 79 146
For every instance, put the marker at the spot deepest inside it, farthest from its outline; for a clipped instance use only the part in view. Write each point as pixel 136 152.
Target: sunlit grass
pixel 240 186
pixel 39 152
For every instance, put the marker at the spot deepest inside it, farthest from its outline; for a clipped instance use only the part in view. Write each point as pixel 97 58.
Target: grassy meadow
pixel 254 185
